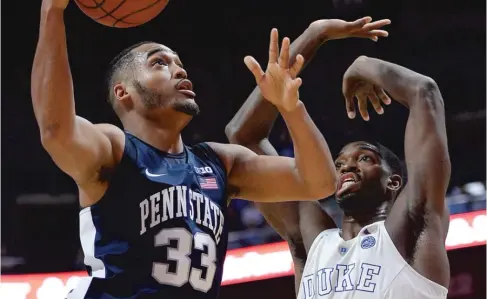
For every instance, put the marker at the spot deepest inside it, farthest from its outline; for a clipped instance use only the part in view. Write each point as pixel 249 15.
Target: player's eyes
pixel 159 61
pixel 338 165
pixel 365 158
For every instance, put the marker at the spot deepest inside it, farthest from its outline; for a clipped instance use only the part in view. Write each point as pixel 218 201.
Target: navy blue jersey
pixel 158 232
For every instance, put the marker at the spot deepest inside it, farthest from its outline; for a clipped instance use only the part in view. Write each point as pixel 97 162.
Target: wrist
pixel 290 112
pixel 49 9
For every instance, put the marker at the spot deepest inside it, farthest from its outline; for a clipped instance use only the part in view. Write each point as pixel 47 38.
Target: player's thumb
pixel 296 84
pixel 254 67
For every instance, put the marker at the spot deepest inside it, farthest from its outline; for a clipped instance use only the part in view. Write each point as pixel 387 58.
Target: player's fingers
pixel 350 106
pixel 362 106
pixel 378 32
pixel 297 66
pixel 284 56
pixel 254 67
pixel 382 95
pixel 373 35
pixel 376 24
pixel 374 99
pixel 359 23
pixel 274 46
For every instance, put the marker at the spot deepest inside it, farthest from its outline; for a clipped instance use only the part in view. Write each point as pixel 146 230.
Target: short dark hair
pixel 118 65
pixel 391 159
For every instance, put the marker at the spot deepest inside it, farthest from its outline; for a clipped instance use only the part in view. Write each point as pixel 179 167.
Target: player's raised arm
pixel 252 123
pixel 78 147
pixel 420 208
pixel 426 149
pixel 262 178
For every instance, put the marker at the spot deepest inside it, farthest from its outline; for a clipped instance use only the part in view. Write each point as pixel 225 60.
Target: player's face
pixel 160 81
pixel 363 176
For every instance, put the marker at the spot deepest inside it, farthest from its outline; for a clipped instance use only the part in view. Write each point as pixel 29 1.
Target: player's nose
pixel 180 73
pixel 348 166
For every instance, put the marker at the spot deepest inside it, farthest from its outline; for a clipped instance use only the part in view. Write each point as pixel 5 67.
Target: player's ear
pixel 394 183
pixel 120 92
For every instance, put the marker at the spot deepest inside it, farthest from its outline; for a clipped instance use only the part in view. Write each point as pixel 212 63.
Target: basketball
pixel 122 13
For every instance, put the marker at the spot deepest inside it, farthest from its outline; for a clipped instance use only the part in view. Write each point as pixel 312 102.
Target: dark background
pixel 441 39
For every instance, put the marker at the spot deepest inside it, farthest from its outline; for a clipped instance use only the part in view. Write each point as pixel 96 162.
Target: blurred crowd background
pixel 442 39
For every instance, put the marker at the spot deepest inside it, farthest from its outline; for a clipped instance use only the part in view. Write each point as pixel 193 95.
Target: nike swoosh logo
pixel 153 175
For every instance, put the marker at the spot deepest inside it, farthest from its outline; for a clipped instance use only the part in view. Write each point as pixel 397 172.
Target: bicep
pixel 83 152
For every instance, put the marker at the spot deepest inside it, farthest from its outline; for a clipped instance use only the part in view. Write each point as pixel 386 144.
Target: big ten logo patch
pixel 203 170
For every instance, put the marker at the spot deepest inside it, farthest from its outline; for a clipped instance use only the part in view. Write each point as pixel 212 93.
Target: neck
pixel 162 132
pixel 352 222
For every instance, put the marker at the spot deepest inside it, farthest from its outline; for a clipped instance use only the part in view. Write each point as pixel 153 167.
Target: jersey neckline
pixel 181 155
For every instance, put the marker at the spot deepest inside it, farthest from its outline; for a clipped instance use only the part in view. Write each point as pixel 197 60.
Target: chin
pixel 187 106
pixel 351 201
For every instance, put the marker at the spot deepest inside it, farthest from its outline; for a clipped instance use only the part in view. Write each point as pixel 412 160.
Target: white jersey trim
pixel 81 289
pixel 87 235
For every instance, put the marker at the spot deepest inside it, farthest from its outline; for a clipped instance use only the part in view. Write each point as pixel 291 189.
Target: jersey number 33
pixel 180 254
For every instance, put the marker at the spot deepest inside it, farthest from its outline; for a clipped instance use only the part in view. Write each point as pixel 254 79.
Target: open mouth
pixel 186 87
pixel 188 93
pixel 349 182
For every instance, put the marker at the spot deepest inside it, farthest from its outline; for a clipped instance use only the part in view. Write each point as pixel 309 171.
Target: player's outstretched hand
pixel 361 28
pixel 355 85
pixel 58 4
pixel 278 83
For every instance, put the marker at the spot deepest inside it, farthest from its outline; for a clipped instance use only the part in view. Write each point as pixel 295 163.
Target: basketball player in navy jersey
pixel 392 238
pixel 153 217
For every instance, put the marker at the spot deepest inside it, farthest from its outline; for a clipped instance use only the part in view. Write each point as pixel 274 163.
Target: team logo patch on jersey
pixel 343 250
pixel 368 242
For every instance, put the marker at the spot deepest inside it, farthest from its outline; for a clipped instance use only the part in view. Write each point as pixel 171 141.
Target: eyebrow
pixel 157 50
pixel 370 148
pixel 367 148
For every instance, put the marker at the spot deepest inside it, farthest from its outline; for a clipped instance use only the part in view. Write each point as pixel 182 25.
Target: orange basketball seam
pixel 107 14
pixel 99 5
pixel 136 12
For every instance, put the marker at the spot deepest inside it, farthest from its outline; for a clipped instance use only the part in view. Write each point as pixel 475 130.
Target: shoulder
pixel 214 152
pixel 229 153
pixel 111 131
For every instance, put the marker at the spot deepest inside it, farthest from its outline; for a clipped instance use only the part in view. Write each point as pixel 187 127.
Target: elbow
pixel 429 95
pixel 232 133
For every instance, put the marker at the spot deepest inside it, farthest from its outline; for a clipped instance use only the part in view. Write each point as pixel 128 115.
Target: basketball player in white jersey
pixel 392 241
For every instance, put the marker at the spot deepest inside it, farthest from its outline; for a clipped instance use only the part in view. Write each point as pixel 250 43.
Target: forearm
pixel 51 83
pixel 254 120
pixel 404 85
pixel 313 159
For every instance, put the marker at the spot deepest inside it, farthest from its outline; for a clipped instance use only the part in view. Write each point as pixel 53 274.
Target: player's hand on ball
pixel 356 86
pixel 361 28
pixel 58 4
pixel 278 83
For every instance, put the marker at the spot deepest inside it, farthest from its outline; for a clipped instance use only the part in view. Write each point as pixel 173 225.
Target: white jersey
pixel 366 267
